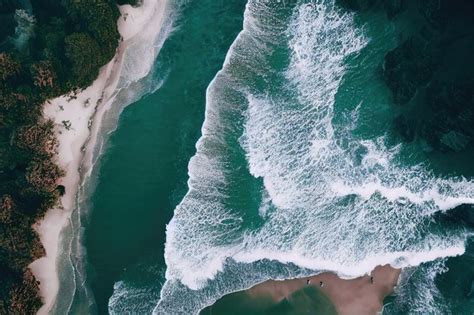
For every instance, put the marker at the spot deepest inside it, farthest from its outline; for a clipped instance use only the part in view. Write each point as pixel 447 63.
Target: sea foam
pixel 330 201
pixel 144 30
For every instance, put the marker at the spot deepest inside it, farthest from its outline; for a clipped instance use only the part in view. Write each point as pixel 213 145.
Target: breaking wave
pixel 417 292
pixel 135 78
pixel 327 200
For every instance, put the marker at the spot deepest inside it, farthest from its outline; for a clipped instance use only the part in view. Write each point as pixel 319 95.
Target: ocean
pixel 279 139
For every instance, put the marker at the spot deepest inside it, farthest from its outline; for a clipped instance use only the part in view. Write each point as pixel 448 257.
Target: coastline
pixel 350 297
pixel 346 161
pixel 78 118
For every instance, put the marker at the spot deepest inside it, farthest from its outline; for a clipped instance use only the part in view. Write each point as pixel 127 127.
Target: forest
pixel 48 48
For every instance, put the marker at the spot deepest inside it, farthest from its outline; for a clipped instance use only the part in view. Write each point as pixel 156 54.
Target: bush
pixel 8 66
pixel 72 40
pixel 81 50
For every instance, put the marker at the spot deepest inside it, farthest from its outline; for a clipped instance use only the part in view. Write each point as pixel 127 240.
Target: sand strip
pixel 78 120
pixel 359 296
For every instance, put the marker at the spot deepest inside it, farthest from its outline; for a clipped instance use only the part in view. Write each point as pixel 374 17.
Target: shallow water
pixel 298 168
pixel 305 301
pixel 144 171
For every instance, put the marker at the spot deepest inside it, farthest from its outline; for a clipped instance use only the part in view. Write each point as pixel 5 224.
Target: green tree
pixel 82 52
pixel 8 66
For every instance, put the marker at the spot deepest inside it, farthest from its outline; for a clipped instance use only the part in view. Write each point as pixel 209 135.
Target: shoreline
pixel 349 296
pixel 78 119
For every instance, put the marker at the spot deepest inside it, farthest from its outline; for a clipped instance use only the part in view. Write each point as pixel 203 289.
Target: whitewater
pixel 321 197
pixel 94 114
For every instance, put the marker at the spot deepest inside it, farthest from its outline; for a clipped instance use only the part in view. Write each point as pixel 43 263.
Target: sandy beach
pixel 78 119
pixel 359 296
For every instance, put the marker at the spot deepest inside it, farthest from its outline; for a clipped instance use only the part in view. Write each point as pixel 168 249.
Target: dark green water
pixel 307 301
pixel 143 174
pixel 333 137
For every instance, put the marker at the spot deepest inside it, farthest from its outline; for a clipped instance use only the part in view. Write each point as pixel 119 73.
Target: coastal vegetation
pixel 48 48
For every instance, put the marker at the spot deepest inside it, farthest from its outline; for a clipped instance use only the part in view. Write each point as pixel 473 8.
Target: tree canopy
pixel 47 49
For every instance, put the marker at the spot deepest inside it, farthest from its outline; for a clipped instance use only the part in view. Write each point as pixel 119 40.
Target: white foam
pixel 401 194
pixel 141 33
pixel 400 259
pixel 331 201
pixel 417 292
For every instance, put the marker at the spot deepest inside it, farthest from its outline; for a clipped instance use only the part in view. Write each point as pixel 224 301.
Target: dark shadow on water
pixel 423 52
pixel 305 301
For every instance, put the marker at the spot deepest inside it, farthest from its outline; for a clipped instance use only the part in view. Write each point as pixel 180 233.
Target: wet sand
pixel 85 112
pixel 350 297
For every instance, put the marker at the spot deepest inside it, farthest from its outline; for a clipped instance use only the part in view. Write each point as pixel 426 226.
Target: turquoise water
pixel 288 163
pixel 143 173
pixel 306 301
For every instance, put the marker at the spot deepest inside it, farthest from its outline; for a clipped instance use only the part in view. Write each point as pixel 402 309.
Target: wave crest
pixel 329 200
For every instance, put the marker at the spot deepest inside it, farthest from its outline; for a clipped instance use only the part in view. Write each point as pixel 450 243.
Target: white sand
pixel 137 25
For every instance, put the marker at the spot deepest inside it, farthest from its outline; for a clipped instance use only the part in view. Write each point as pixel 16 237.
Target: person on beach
pixel 308 281
pixel 372 280
pixel 321 284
